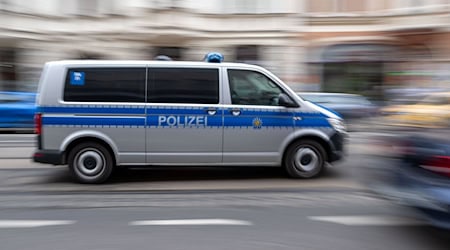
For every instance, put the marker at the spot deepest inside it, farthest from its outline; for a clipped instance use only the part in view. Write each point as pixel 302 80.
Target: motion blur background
pixel 368 47
pixel 386 64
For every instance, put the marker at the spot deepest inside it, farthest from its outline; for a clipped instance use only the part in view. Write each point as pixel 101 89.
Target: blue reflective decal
pixel 76 78
pixel 89 110
pixel 312 122
pixel 94 121
pixel 180 117
pixel 248 121
pixel 265 113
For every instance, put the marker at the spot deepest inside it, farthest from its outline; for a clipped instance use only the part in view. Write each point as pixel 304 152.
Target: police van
pixel 96 115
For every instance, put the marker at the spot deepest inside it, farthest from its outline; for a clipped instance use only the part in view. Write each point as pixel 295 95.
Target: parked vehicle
pixel 17 111
pixel 433 111
pixel 349 106
pixel 420 175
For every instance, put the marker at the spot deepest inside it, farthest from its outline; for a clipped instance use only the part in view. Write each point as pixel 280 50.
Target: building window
pixel 247 54
pixel 355 68
pixel 167 4
pixel 87 7
pixel 8 75
pixel 5 4
pixel 352 5
pixel 89 56
pixel 109 7
pixel 175 53
pixel 246 6
pixel 332 6
pixel 254 6
pixel 378 5
pixel 320 5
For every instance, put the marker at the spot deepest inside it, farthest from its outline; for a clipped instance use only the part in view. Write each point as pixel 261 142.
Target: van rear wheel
pixel 90 163
pixel 305 159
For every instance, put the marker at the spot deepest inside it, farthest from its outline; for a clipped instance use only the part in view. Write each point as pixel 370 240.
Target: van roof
pixel 149 62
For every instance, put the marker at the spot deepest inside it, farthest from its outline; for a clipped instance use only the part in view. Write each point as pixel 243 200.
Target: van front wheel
pixel 90 163
pixel 305 159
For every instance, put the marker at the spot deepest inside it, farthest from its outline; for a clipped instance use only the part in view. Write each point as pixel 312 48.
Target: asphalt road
pixel 203 208
pixel 20 174
pixel 310 220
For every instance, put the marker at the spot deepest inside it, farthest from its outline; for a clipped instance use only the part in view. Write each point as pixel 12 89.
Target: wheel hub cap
pixel 90 163
pixel 306 159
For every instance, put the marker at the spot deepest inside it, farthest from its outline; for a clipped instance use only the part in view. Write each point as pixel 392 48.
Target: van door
pixel 255 126
pixel 184 117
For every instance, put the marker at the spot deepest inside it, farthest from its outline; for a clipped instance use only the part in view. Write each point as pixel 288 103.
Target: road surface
pixel 203 208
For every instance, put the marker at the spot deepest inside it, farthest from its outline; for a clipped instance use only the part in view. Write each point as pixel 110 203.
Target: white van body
pixel 96 115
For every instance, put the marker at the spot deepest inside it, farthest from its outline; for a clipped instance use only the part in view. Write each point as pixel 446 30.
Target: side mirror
pixel 285 101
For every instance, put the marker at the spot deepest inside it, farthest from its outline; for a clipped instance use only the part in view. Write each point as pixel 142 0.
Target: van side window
pixel 105 85
pixel 252 88
pixel 183 85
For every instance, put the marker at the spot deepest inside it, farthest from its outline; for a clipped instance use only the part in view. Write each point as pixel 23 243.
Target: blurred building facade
pixel 366 46
pixel 358 46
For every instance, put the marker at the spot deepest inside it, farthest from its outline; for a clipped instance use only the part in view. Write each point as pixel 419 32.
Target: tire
pixel 305 159
pixel 90 163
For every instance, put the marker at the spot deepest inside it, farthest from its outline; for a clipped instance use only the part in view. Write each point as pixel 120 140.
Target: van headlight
pixel 338 125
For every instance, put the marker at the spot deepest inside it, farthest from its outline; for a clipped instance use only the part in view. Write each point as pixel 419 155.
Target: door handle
pixel 235 112
pixel 211 111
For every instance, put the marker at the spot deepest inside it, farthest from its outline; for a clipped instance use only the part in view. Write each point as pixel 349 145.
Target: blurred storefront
pixel 355 68
pixel 7 68
pixel 369 48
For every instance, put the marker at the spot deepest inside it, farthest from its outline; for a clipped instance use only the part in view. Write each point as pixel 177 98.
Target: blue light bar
pixel 214 57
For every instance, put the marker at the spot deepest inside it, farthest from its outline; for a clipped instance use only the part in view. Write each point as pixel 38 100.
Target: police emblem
pixel 257 122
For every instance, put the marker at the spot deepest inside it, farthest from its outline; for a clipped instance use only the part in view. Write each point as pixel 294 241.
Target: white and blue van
pixel 97 115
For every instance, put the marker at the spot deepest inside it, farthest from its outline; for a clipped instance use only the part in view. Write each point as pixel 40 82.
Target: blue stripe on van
pixel 91 110
pixel 175 111
pixel 94 121
pixel 312 122
pixel 153 121
pixel 277 122
pixel 246 119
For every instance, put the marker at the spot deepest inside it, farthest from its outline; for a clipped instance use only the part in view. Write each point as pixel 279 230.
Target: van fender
pixel 90 133
pixel 323 134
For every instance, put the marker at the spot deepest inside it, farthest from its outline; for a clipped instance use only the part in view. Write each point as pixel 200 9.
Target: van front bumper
pixel 338 141
pixel 54 157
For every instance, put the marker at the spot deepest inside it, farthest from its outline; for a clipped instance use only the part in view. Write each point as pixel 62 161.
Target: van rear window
pixel 105 85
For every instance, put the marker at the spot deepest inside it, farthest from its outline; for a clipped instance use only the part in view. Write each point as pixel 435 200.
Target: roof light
pixel 163 58
pixel 213 57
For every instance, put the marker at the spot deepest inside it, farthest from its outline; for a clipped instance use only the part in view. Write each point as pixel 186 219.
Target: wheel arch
pixel 318 136
pixel 89 136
